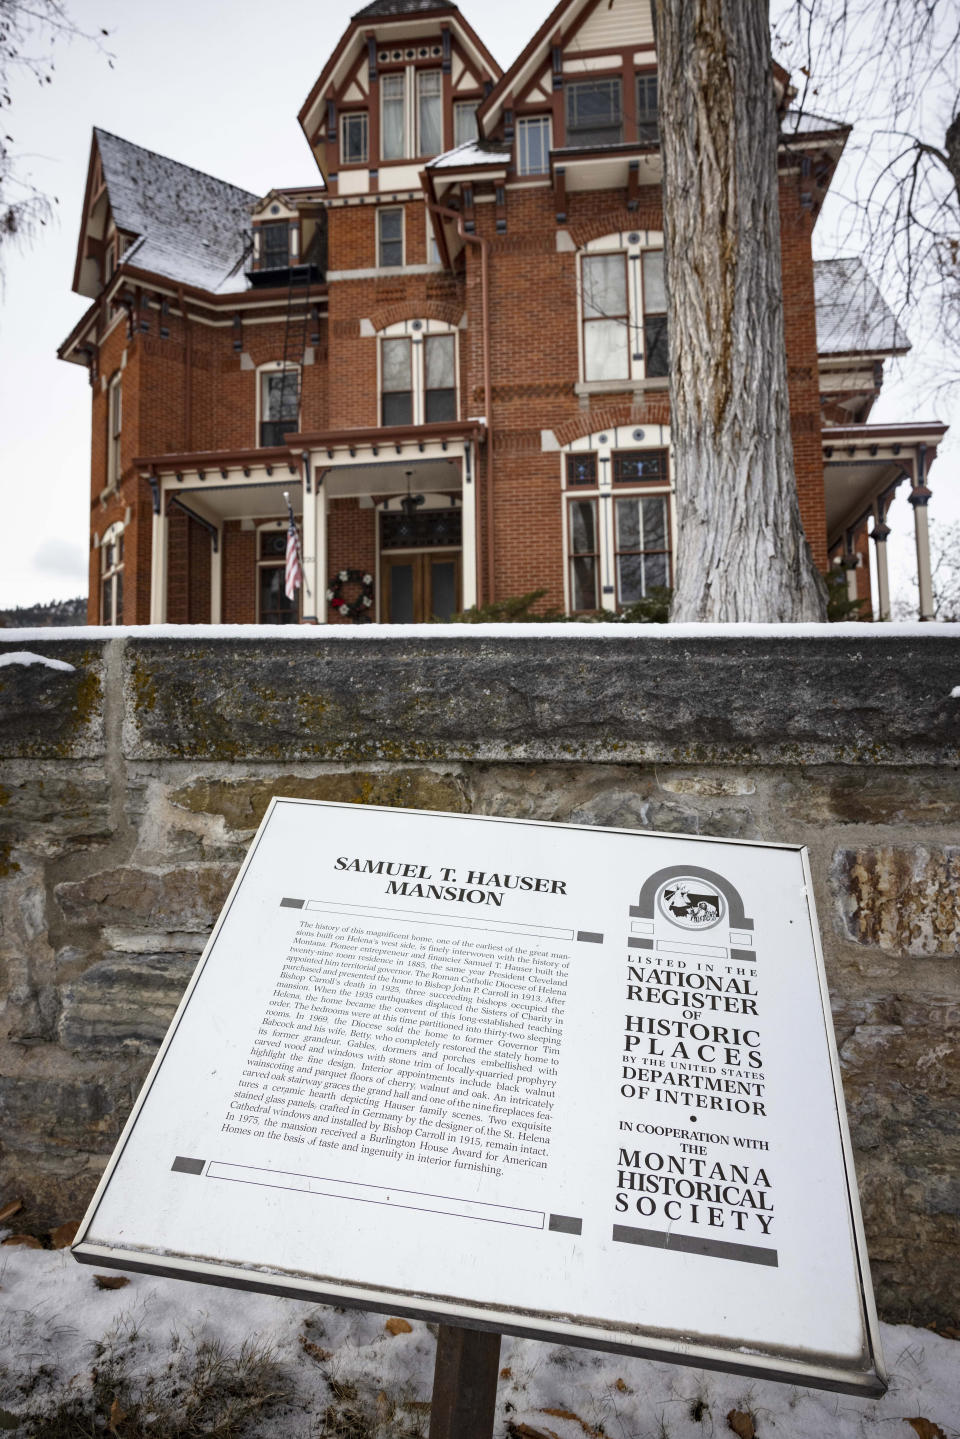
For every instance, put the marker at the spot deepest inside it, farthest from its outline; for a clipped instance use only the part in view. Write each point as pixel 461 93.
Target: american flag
pixel 294 570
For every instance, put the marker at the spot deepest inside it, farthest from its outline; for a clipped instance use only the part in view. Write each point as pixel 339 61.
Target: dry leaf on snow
pixel 110 1281
pixel 64 1234
pixel 926 1429
pixel 398 1326
pixel 28 1241
pixel 741 1424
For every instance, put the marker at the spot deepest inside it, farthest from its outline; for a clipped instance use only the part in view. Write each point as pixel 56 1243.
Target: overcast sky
pixel 215 84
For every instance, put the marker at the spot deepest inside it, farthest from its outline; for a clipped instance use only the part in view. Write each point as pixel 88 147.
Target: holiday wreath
pixel 358 609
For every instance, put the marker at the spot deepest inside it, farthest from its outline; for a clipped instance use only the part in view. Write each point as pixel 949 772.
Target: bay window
pixel 389 238
pixel 606 351
pixel 618 546
pixel 654 314
pixel 114 428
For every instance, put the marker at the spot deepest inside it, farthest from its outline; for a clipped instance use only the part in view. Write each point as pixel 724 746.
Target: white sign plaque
pixel 573 1083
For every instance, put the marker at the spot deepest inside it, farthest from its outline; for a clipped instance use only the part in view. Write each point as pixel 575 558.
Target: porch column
pixel 919 497
pixel 308 530
pixel 216 577
pixel 158 566
pixel 880 534
pixel 320 545
pixel 468 559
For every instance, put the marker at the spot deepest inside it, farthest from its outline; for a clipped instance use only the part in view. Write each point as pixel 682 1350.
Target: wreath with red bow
pixel 359 609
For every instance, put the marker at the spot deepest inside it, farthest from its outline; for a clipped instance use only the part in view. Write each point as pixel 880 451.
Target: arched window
pixel 278 402
pixel 418 373
pixel 623 308
pixel 111 576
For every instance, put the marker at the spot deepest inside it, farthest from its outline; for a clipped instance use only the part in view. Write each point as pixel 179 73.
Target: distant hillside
pixel 54 612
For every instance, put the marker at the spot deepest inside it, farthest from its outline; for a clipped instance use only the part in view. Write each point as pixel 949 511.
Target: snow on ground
pixel 60 1335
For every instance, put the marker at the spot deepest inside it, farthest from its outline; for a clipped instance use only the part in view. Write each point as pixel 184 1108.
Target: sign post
pixel 570 1083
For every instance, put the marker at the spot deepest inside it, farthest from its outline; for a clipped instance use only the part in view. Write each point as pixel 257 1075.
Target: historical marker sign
pixel 573 1083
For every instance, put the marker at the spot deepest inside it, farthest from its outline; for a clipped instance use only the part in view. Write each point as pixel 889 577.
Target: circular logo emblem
pixel 691 903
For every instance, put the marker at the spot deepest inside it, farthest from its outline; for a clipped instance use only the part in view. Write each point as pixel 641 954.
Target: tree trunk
pixel 741 552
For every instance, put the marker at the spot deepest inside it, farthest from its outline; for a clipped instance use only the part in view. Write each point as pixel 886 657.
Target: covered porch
pixel 864 467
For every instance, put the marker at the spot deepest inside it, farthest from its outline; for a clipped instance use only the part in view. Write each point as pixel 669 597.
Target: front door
pixel 420 586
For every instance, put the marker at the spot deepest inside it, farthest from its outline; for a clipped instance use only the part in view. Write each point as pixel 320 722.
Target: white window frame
pixel 276 367
pixel 604 445
pixel 418 331
pixel 114 429
pixel 348 117
pixel 111 575
pixel 392 210
pixel 632 245
pixel 461 107
pixel 525 123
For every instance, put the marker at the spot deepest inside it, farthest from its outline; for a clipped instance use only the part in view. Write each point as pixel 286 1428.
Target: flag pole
pixel 296 533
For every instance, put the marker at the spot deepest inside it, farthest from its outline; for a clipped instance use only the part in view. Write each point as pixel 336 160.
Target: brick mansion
pixel 450 352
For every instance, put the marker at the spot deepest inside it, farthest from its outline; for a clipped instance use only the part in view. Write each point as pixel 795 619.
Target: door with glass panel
pixel 420 587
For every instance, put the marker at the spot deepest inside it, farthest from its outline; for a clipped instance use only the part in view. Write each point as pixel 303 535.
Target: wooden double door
pixel 418 586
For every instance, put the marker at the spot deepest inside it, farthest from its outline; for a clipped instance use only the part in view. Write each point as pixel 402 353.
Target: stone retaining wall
pixel 133 781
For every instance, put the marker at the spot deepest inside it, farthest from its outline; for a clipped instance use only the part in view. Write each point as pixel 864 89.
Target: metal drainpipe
pixel 448 214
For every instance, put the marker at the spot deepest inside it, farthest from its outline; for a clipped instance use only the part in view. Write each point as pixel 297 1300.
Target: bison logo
pixel 690 903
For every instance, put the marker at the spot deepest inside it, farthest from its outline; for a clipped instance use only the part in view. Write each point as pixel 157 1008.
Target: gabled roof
pixel 190 225
pixel 398 7
pixel 852 316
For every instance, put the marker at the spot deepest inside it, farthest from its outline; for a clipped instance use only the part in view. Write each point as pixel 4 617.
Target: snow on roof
pixel 191 225
pixel 802 122
pixel 472 152
pixel 401 7
pixel 852 315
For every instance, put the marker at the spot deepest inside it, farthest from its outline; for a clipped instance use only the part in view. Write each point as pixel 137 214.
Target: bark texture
pixel 741 552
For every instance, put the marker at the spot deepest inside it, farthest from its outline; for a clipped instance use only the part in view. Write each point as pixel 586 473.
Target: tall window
pixel 464 121
pixel 594 113
pixel 392 117
pixel 606 320
pixel 440 378
pixel 279 405
pixel 533 144
pixel 111 576
pixel 623 308
pixel 429 113
pixel 584 555
pixel 654 314
pixel 272 604
pixel 418 374
pixel 396 382
pixel 354 139
pixel 274 245
pixel 643 550
pixel 114 426
pixel 389 238
pixel 648 122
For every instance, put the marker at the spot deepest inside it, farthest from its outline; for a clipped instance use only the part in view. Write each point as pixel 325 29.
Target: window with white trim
pixel 354 138
pixel 279 402
pixel 389 238
pixel 114 429
pixel 623 308
pixel 465 121
pixel 618 523
pixel 111 576
pixel 533 144
pixel 418 373
pixel 429 112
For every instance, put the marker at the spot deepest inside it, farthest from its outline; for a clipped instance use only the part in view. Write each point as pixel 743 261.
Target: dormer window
pixel 594 113
pixel 354 142
pixel 464 122
pixel 275 245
